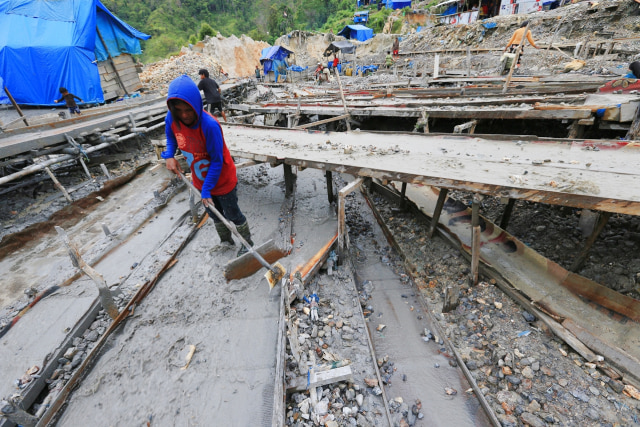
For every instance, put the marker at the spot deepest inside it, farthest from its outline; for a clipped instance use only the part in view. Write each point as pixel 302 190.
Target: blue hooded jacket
pixel 185 89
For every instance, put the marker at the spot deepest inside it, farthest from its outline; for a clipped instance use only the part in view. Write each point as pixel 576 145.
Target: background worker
pixel 199 136
pixel 396 48
pixel 388 60
pixel 634 70
pixel 70 100
pixel 257 73
pixel 212 93
pixel 516 39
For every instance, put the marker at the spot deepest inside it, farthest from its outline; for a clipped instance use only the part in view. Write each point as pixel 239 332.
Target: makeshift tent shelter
pixel 48 44
pixel 274 59
pixel 343 46
pixel 397 4
pixel 358 32
pixel 362 16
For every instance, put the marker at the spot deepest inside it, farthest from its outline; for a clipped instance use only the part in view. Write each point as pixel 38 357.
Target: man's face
pixel 201 76
pixel 185 113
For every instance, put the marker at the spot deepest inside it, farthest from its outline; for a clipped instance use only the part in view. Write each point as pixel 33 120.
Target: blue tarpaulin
pixel 362 16
pixel 45 45
pixel 119 36
pixel 397 4
pixel 274 59
pixel 358 32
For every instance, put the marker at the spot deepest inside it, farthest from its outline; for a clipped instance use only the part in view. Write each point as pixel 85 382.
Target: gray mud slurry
pixel 396 305
pixel 233 326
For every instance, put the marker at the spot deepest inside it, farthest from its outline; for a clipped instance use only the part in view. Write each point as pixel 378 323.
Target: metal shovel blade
pixel 247 264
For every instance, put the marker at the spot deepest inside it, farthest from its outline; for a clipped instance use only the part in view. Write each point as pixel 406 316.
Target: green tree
pixel 206 30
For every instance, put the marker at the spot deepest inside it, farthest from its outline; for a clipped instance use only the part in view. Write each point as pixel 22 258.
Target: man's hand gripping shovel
pixel 241 266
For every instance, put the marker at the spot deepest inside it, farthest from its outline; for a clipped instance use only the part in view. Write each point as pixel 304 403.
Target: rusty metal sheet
pixel 600 175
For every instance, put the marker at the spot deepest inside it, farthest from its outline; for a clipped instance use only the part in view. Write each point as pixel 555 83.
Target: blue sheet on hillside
pixel 358 32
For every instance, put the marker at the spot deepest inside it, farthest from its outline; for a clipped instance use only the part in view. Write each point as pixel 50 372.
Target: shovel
pixel 275 272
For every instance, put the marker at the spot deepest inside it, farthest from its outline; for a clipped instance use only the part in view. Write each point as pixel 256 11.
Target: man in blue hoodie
pixel 199 137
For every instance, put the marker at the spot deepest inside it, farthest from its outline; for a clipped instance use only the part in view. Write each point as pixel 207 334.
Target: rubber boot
pixel 244 231
pixel 226 241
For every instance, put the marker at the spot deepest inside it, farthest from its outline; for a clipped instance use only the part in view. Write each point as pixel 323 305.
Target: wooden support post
pixel 475 241
pixel 289 179
pixel 113 64
pixel 634 130
pixel 58 185
pixel 582 256
pixel 105 170
pixel 329 179
pixel 438 210
pixel 450 299
pixel 342 227
pixel 468 125
pixel 436 66
pixel 506 214
pixel 15 105
pixel 515 60
pixel 468 61
pixel 105 294
pixel 84 166
pixel 403 197
pixel 344 103
pixel 576 130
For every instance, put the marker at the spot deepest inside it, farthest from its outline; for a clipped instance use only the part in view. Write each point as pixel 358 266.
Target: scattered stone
pixel 531 420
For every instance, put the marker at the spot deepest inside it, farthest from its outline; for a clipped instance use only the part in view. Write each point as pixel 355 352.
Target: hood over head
pixel 185 89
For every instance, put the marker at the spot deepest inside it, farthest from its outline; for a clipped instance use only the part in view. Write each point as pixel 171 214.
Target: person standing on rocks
pixel 70 100
pixel 388 61
pixel 199 137
pixel 257 72
pixel 516 39
pixel 396 48
pixel 212 93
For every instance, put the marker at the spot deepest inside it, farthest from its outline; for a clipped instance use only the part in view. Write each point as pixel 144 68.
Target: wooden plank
pixel 318 379
pixel 321 122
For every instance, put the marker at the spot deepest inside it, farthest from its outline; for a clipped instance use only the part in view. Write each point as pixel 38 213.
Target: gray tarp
pixel 343 46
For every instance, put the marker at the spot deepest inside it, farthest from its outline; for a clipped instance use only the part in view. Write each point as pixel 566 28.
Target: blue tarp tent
pixel 119 36
pixel 274 59
pixel 358 32
pixel 362 16
pixel 397 4
pixel 48 44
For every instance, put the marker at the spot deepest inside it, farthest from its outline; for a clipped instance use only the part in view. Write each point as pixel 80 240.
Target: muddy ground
pixel 527 375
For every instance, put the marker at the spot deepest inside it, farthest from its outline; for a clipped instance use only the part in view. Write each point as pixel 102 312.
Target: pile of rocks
pixel 158 75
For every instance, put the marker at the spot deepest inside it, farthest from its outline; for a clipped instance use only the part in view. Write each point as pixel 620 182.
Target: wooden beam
pixel 475 238
pixel 342 222
pixel 603 218
pixel 438 210
pixel 318 379
pixel 58 185
pixel 322 122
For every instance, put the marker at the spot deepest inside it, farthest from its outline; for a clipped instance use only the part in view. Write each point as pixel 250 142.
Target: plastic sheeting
pixel 358 32
pixel 119 36
pixel 397 4
pixel 45 45
pixel 274 59
pixel 343 46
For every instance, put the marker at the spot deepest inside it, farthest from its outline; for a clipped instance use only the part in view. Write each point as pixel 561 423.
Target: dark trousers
pixel 227 205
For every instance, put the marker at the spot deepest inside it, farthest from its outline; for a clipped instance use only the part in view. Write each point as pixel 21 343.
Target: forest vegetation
pixel 175 23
